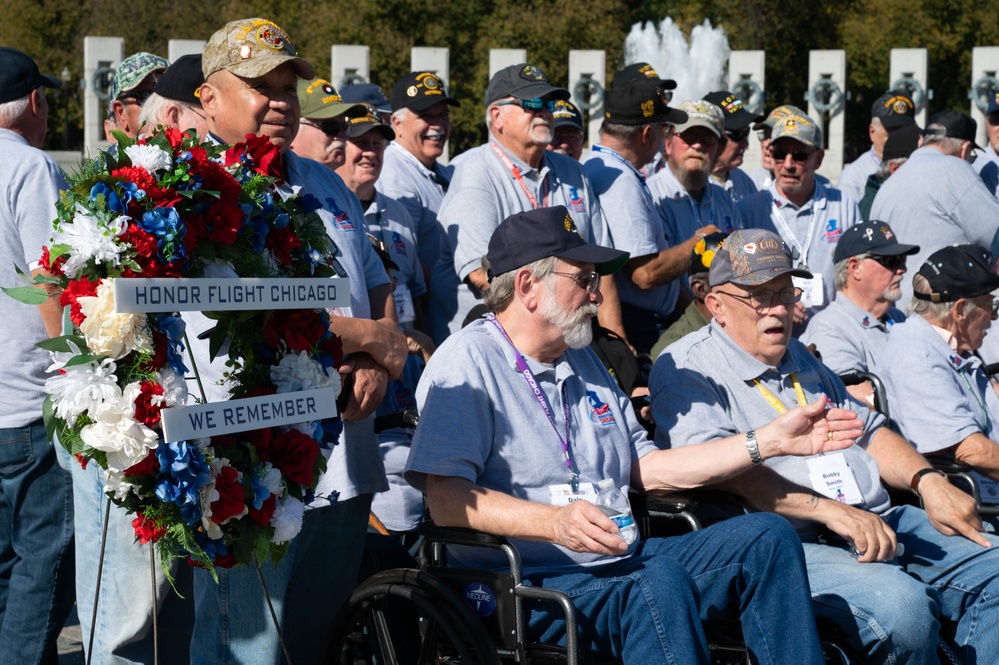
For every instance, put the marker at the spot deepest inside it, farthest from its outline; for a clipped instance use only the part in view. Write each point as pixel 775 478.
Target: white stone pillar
pixel 504 57
pixel 984 66
pixel 908 66
pixel 348 64
pixel 178 47
pixel 827 71
pixel 747 73
pixel 100 56
pixel 586 66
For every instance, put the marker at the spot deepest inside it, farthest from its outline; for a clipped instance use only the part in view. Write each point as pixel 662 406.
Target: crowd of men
pixel 524 260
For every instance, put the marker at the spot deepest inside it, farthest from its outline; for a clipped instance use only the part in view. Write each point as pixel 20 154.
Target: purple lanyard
pixel 543 401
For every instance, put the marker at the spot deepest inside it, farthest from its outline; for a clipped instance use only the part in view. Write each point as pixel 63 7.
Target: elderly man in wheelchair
pixel 519 423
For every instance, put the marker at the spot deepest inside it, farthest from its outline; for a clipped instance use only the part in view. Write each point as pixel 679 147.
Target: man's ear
pixel 526 287
pixel 208 99
pixel 715 306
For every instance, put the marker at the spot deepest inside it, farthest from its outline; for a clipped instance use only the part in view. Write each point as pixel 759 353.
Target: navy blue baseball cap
pixel 19 75
pixel 367 93
pixel 526 237
pixel 872 237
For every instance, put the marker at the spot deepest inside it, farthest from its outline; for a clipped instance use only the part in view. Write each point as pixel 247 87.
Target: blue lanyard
pixel 528 375
pixel 620 158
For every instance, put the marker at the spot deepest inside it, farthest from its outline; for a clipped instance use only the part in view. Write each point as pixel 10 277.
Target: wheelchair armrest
pixel 948 465
pixel 455 535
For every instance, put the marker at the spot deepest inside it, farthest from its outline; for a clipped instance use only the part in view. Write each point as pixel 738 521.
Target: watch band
pixel 753 447
pixel 916 477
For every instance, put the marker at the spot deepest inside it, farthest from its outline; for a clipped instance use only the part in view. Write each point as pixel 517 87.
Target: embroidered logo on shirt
pixel 576 201
pixel 398 244
pixel 341 222
pixel 833 233
pixel 866 321
pixel 600 412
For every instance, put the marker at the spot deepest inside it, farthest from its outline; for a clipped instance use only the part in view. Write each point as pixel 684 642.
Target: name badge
pixel 812 293
pixel 562 495
pixel 832 477
pixel 988 488
pixel 404 309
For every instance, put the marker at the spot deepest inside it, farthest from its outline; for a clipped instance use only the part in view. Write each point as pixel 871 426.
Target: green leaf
pixel 55 251
pixel 62 343
pixel 50 419
pixel 29 295
pixel 83 359
pixel 219 334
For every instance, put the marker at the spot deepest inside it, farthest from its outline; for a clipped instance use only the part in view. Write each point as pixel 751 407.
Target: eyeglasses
pixel 584 280
pixel 760 300
pixel 892 263
pixel 800 156
pixel 137 96
pixel 195 111
pixel 331 128
pixel 532 105
pixel 705 138
pixel 737 135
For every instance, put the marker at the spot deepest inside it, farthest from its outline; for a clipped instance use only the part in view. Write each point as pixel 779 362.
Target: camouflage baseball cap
pixel 320 101
pixel 133 70
pixel 252 47
pixel 800 128
pixel 701 113
pixel 750 257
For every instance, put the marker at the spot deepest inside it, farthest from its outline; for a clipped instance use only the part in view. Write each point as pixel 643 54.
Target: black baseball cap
pixel 567 115
pixel 894 109
pixel 526 237
pixel 523 81
pixel 182 80
pixel 418 91
pixel 370 120
pixel 704 252
pixel 736 115
pixel 639 102
pixel 955 125
pixel 902 142
pixel 642 70
pixel 871 237
pixel 19 75
pixel 958 271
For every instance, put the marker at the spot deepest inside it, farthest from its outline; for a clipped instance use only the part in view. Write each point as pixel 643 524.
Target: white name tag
pixel 832 477
pixel 165 294
pixel 562 495
pixel 812 294
pixel 988 489
pixel 404 309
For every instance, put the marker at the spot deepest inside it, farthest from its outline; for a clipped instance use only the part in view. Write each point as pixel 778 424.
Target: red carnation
pixel 148 466
pixel 283 242
pixel 224 220
pixel 265 155
pixel 82 460
pixel 294 454
pixel 261 440
pixel 300 329
pixel 146 530
pixel 175 138
pixel 230 501
pixel 145 412
pixel 263 516
pixel 76 289
pixel 46 262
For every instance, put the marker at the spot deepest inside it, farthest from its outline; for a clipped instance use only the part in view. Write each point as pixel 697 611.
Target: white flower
pixel 115 482
pixel 116 432
pixel 300 372
pixel 174 389
pixel 208 495
pixel 287 519
pixel 150 157
pixel 81 388
pixel 109 333
pixel 90 238
pixel 272 479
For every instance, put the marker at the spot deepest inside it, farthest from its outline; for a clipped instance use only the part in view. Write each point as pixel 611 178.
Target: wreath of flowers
pixel 169 206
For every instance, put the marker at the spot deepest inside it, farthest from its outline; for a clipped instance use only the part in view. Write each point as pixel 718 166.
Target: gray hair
pixel 500 291
pixel 937 313
pixel 839 271
pixel 401 115
pixel 621 132
pixel 935 135
pixel 154 110
pixel 11 112
pixel 885 169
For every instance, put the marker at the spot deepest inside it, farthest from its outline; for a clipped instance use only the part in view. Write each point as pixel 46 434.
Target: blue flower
pixel 260 492
pixel 183 471
pixel 166 225
pixel 117 197
pixel 213 548
pixel 173 328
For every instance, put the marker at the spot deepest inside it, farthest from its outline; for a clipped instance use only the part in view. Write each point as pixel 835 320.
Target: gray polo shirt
pixel 703 389
pixel 30 182
pixel 483 193
pixel 388 220
pixel 420 190
pixel 987 165
pixel 938 397
pixel 853 179
pixel 634 223
pixel 812 229
pixel 480 421
pixel 683 214
pixel 935 200
pixel 848 336
pixel 738 185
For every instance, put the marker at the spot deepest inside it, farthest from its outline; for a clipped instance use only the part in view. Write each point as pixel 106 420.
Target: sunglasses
pixel 797 155
pixel 892 263
pixel 137 96
pixel 331 128
pixel 584 280
pixel 737 135
pixel 533 105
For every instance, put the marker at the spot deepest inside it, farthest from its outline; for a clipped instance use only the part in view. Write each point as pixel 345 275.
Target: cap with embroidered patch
pixel 643 70
pixel 362 124
pixel 780 112
pixel 736 115
pixel 958 271
pixel 750 257
pixel 182 80
pixel 639 102
pixel 320 101
pixel 526 237
pixel 19 75
pixel 801 128
pixel 701 113
pixel 418 91
pixel 871 237
pixel 894 109
pixel 252 47
pixel 523 81
pixel 567 115
pixel 133 70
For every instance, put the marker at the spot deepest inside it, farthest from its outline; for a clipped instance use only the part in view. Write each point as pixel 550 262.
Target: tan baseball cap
pixel 252 47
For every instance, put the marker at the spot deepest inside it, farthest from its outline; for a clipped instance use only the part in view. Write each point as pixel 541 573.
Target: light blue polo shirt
pixel 848 336
pixel 853 179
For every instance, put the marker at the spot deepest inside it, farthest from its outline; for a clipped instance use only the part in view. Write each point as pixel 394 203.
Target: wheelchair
pixel 457 616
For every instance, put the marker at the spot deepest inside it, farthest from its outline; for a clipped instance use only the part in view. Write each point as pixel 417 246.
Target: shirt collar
pixel 818 199
pixel 746 367
pixel 523 166
pixel 866 319
pixel 945 345
pixel 10 135
pixel 411 157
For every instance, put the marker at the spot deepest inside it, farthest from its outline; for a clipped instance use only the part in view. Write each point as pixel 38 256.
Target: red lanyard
pixel 520 179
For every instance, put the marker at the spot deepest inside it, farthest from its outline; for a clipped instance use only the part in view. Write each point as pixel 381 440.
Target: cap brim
pixel 605 260
pixel 675 116
pixel 363 128
pixel 894 122
pixel 667 84
pixel 423 103
pixel 762 277
pixel 896 250
pixel 742 119
pixel 334 110
pixel 260 65
pixel 568 123
pixel 696 122
pixel 541 90
pixel 50 81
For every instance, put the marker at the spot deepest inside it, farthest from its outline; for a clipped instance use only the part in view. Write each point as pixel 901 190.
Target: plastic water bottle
pixel 615 505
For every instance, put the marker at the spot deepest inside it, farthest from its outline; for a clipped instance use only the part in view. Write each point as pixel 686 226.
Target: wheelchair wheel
pixel 407 617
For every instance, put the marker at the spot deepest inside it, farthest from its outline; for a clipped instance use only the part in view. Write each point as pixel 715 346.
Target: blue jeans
pixel 649 608
pixel 123 630
pixel 36 538
pixel 891 611
pixel 307 588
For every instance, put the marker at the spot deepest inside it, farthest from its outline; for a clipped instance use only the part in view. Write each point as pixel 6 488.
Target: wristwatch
pixel 916 477
pixel 753 448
